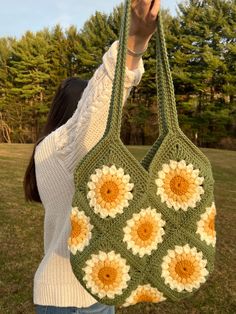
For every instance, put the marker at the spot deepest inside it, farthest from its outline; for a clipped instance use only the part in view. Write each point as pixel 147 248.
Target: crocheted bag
pixel 143 231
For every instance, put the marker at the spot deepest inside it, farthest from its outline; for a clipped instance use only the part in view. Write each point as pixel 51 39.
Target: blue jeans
pixel 96 308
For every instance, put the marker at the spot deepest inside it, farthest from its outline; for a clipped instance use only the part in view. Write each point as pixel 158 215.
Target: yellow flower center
pixel 179 185
pixel 109 191
pixel 107 275
pixel 145 297
pixel 76 229
pixel 184 268
pixel 145 230
pixel 210 224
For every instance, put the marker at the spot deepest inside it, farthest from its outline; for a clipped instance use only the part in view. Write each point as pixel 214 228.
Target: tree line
pixel 202 54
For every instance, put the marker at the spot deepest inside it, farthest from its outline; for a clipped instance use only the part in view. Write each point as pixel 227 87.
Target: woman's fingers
pixel 142 7
pixel 154 9
pixel 146 8
pixel 143 17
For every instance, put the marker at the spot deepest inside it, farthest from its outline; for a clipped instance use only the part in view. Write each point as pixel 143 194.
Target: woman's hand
pixel 142 26
pixel 143 18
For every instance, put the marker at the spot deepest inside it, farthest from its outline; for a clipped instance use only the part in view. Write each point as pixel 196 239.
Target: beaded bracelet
pixel 136 54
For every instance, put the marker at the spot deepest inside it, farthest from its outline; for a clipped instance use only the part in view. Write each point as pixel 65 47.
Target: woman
pixel 76 122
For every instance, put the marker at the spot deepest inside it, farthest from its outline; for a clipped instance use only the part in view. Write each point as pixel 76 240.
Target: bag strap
pixel 168 119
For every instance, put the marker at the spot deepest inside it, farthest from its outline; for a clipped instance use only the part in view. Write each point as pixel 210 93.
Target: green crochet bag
pixel 143 231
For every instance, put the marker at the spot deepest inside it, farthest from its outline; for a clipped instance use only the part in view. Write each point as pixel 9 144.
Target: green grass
pixel 21 238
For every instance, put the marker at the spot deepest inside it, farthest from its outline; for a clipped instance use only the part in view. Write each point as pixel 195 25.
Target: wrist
pixel 136 54
pixel 136 43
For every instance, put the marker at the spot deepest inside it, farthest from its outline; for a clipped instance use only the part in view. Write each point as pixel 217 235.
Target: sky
pixel 18 16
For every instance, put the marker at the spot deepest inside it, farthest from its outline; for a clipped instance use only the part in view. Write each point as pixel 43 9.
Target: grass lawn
pixel 21 239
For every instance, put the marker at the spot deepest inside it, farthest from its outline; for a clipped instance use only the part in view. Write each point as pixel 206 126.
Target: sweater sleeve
pixel 85 128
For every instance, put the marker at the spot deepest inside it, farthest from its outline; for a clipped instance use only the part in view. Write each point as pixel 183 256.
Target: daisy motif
pixel 80 231
pixel 184 268
pixel 106 274
pixel 144 231
pixel 206 225
pixel 179 185
pixel 144 293
pixel 109 191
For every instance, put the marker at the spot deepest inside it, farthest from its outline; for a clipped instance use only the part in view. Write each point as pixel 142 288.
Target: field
pixel 21 239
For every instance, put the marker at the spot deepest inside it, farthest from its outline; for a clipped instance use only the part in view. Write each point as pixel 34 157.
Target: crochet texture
pixel 143 231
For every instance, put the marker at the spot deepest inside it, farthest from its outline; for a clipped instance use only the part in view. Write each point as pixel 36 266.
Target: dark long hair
pixel 62 108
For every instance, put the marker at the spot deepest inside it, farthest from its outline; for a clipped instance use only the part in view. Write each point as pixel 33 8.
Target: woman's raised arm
pixel 87 125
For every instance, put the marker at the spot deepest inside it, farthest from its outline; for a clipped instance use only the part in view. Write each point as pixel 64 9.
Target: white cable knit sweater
pixel 55 160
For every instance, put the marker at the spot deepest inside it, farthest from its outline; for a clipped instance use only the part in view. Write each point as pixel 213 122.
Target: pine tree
pixel 57 56
pixel 72 51
pixel 95 38
pixel 200 66
pixel 29 71
pixel 5 85
pixel 202 55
